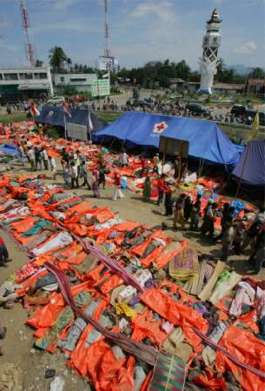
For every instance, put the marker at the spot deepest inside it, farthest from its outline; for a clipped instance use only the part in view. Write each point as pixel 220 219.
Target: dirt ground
pixel 22 367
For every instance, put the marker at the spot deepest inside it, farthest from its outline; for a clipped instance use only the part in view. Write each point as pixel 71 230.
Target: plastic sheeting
pixel 251 167
pixel 8 149
pixel 206 140
pixel 54 115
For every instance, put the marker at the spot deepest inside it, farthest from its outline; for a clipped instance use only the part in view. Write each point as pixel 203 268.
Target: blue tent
pixel 54 115
pixel 9 150
pixel 251 167
pixel 206 140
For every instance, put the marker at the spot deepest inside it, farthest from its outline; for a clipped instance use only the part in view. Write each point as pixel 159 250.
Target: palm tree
pixel 57 58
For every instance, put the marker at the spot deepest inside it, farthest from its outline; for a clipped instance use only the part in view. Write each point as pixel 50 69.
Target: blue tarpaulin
pixel 54 115
pixel 9 149
pixel 206 140
pixel 251 167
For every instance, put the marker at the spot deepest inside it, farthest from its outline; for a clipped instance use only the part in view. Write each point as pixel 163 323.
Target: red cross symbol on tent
pixel 160 127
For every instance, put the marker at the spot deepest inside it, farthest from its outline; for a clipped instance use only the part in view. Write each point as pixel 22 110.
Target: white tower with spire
pixel 209 60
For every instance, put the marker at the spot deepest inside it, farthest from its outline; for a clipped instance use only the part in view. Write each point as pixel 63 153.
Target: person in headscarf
pixel 95 185
pixel 147 188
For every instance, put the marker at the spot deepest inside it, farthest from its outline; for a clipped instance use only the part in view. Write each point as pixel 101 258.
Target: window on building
pixel 78 80
pixel 26 76
pixel 1 76
pixel 62 79
pixel 40 75
pixel 10 76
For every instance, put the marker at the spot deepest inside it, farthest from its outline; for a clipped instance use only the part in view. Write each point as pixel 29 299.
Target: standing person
pixel 95 186
pixel 102 175
pixel 160 188
pixel 147 189
pixel 83 174
pixel 195 214
pixel 2 336
pixel 4 256
pixel 187 208
pixel 168 200
pixel 45 158
pixel 225 213
pixel 53 167
pixel 156 163
pixel 209 219
pixel 78 161
pixel 31 157
pixel 258 256
pixel 124 159
pixel 67 174
pixel 179 212
pixel 228 239
pixel 65 156
pixel 37 158
pixel 74 175
pixel 117 187
pixel 143 165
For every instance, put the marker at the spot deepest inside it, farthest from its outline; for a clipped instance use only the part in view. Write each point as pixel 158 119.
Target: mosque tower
pixel 209 60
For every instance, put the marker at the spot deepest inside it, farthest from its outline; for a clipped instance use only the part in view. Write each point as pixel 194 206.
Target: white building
pixel 82 82
pixel 25 82
pixel 209 60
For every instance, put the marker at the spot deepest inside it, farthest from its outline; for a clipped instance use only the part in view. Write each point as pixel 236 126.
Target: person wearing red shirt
pixel 161 188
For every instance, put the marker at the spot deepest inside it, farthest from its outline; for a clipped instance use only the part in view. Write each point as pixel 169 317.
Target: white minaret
pixel 209 60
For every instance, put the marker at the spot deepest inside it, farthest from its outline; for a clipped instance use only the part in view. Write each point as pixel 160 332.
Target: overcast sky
pixel 141 30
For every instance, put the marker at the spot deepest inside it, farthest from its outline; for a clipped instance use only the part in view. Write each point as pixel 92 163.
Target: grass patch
pixel 15 117
pixel 108 116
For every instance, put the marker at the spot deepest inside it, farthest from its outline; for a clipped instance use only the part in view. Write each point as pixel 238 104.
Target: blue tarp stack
pixel 206 140
pixel 54 115
pixel 251 167
pixel 9 150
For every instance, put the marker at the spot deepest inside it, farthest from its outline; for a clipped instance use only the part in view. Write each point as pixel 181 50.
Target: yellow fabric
pixel 124 309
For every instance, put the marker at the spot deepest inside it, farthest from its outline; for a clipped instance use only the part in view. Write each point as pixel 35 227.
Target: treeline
pixel 153 73
pixel 157 72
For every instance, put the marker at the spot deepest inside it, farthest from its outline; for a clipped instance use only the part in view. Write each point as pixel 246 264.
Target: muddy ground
pixel 22 367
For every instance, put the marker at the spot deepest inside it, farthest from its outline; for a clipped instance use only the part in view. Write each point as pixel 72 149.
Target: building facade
pixel 22 83
pixel 209 60
pixel 81 82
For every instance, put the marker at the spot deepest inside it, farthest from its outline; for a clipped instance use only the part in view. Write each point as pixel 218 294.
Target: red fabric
pixel 248 349
pixel 176 313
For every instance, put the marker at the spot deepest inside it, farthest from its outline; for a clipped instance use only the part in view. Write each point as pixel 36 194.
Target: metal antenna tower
pixel 25 22
pixel 106 29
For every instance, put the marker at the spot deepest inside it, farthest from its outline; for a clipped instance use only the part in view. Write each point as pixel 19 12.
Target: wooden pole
pixel 241 172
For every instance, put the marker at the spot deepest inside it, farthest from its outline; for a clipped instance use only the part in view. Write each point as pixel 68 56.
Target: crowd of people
pixel 235 234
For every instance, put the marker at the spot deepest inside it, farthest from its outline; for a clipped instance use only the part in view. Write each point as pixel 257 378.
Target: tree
pixel 38 63
pixel 257 73
pixel 57 58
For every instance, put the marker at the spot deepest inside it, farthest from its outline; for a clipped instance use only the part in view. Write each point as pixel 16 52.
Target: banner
pixel 76 131
pixel 101 87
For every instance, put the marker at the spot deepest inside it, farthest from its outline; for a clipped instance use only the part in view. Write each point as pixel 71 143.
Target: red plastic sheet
pixel 176 313
pixel 248 349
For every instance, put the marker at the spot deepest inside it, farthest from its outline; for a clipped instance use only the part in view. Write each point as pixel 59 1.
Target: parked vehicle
pixel 197 109
pixel 238 110
pixel 56 100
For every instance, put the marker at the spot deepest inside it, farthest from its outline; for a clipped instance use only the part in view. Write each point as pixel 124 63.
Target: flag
pixel 33 109
pixel 90 123
pixel 255 127
pixel 66 109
